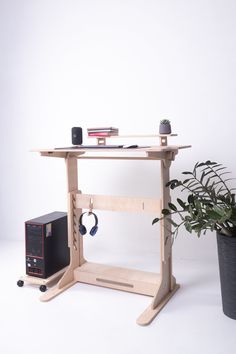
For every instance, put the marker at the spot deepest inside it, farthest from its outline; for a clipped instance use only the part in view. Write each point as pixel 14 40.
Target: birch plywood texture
pixel 130 280
pixel 161 287
pixel 115 203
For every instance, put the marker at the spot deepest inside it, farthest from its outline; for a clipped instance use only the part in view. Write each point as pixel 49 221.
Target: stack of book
pixel 105 131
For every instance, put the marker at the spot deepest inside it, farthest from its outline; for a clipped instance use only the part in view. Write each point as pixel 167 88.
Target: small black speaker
pixel 77 136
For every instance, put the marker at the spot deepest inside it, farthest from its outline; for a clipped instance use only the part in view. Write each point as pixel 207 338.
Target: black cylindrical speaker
pixel 77 135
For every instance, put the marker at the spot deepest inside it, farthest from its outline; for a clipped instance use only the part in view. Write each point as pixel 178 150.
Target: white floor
pixel 87 319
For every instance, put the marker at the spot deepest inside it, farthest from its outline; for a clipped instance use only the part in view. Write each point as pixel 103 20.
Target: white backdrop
pixel 127 64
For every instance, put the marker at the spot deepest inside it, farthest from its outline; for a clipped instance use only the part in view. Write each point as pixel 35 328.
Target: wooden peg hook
pixel 90 205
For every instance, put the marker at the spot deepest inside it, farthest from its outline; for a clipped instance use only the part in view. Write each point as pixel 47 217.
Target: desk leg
pixel 75 242
pixel 168 284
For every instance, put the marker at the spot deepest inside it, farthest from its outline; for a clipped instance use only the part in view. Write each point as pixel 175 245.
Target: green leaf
pixel 188 226
pixel 198 229
pixel 196 166
pixel 229 179
pixel 197 189
pixel 198 205
pixel 202 176
pixel 181 203
pixel 224 173
pixel 209 172
pixel 155 220
pixel 211 168
pixel 175 185
pixel 213 215
pixel 190 198
pixel 200 164
pixel 187 180
pixel 187 173
pixel 222 197
pixel 218 210
pixel 172 206
pixel 227 199
pixel 192 184
pixel 171 182
pixel 188 218
pixel 208 180
pixel 219 169
pixel 165 211
pixel 190 209
pixel 210 163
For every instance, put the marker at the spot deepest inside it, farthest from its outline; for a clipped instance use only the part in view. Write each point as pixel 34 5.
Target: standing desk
pixel 160 286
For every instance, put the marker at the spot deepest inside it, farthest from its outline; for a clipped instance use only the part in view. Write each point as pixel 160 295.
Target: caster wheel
pixel 43 288
pixel 20 283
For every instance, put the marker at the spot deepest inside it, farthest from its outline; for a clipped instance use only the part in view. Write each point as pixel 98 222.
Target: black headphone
pixel 82 228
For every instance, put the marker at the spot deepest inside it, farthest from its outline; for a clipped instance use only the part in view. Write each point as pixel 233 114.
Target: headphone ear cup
pixel 93 230
pixel 82 229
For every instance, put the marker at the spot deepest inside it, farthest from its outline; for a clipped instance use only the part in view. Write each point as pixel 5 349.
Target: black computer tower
pixel 46 244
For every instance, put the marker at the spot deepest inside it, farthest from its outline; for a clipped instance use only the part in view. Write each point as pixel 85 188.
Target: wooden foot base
pixel 130 280
pixel 53 292
pixel 149 314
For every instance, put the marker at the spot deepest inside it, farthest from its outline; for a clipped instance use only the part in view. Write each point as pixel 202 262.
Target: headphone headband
pixel 89 213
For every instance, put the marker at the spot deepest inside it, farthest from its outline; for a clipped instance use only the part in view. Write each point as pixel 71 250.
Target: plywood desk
pixel 161 287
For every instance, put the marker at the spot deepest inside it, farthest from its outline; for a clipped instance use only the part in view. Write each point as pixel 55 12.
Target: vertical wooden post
pixel 75 242
pixel 165 239
pixel 167 286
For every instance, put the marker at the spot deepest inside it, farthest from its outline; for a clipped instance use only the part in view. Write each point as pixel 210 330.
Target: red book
pixel 102 134
pixel 102 129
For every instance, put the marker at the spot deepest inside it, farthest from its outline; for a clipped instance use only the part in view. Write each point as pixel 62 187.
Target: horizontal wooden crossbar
pixel 130 280
pixel 115 203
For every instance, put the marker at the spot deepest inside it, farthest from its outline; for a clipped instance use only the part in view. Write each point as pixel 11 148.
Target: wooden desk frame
pixel 160 286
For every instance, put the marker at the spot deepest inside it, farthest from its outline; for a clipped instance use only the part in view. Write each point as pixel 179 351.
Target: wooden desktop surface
pixel 96 148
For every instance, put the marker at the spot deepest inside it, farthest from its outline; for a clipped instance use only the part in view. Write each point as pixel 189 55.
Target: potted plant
pixel 165 127
pixel 210 205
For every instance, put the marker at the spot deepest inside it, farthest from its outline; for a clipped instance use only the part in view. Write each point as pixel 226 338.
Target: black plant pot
pixel 227 265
